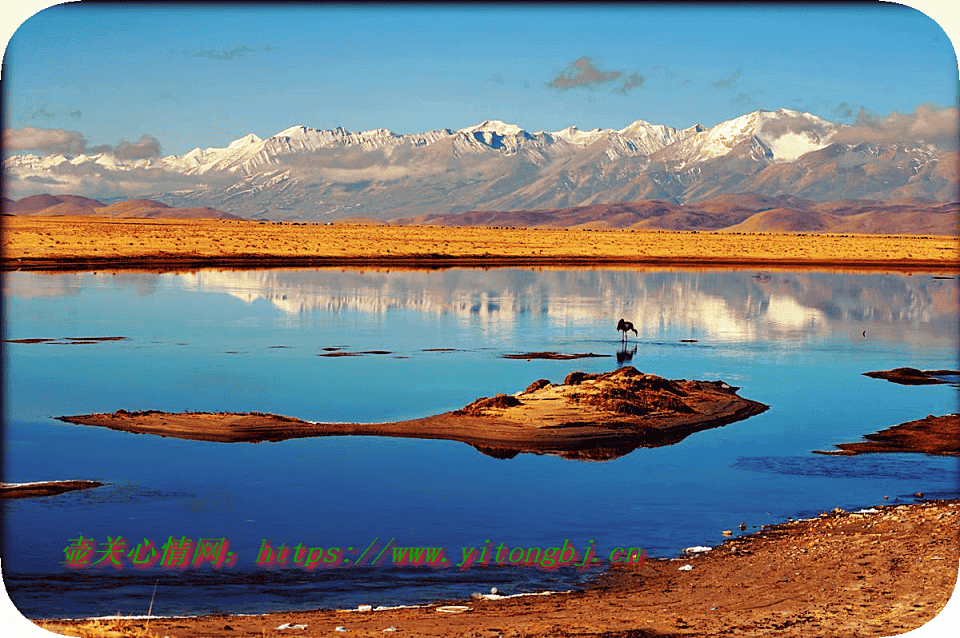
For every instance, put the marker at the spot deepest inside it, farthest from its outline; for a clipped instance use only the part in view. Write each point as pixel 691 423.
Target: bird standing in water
pixel 625 326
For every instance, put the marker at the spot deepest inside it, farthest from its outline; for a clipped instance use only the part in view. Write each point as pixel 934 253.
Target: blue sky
pixel 165 79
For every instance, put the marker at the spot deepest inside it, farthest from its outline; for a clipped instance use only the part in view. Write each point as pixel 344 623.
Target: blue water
pixel 249 340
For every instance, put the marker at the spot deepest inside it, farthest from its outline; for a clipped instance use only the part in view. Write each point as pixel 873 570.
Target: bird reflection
pixel 624 355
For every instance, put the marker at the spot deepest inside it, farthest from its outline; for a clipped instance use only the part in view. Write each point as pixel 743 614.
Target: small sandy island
pixel 931 435
pixel 912 376
pixel 588 416
pixel 43 488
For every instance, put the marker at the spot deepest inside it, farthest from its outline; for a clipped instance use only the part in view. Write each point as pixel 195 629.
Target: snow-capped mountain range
pixel 312 174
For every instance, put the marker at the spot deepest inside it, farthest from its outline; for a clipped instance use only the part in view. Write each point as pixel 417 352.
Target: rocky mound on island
pixel 588 416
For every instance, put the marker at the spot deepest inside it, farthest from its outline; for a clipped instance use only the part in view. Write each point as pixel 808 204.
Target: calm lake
pixel 424 342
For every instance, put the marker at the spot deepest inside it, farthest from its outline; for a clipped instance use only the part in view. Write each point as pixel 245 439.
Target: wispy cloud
pixel 928 124
pixel 731 84
pixel 46 115
pixel 57 140
pixel 60 140
pixel 632 81
pixel 743 99
pixel 843 111
pixel 236 52
pixel 582 73
pixel 147 146
pixel 796 124
pixel 665 79
pixel 93 180
pixel 39 114
pixel 728 82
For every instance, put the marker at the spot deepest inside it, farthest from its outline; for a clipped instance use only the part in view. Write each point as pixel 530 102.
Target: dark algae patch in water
pixel 64 340
pixel 331 352
pixel 588 416
pixel 553 355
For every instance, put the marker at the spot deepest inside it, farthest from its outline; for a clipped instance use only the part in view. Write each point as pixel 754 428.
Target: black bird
pixel 625 326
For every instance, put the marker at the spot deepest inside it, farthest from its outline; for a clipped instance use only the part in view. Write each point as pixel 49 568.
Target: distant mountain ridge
pixel 743 212
pixel 309 174
pixel 50 205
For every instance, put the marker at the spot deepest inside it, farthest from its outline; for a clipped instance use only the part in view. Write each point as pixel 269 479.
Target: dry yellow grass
pixel 103 629
pixel 65 241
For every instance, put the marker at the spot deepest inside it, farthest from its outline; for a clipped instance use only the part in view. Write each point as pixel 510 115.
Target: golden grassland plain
pixel 77 242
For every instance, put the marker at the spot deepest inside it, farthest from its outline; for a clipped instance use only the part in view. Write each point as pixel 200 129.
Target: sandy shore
pixel 880 572
pixel 588 417
pixel 88 243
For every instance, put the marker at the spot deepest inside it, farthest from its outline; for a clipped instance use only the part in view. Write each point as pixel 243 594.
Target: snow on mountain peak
pixel 313 173
pixel 247 140
pixel 294 132
pixel 493 126
pixel 781 135
pixel 790 134
pixel 573 135
pixel 786 134
pixel 637 125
